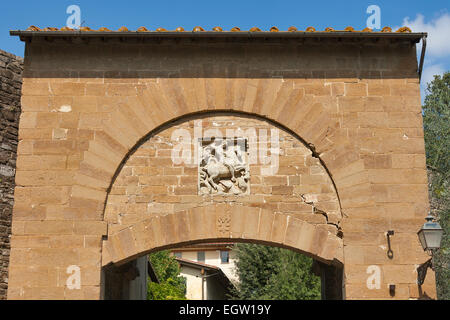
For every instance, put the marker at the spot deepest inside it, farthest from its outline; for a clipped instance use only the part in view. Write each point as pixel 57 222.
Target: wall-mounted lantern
pixel 430 236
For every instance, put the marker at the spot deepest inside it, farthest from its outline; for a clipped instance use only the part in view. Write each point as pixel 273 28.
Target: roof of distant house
pixel 223 278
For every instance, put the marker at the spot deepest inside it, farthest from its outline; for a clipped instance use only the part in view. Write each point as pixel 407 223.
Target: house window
pixel 225 256
pixel 177 254
pixel 201 256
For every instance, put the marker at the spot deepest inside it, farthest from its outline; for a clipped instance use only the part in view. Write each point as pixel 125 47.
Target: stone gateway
pixel 97 186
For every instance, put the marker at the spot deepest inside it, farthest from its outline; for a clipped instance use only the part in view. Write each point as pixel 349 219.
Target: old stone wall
pixel 88 106
pixel 10 87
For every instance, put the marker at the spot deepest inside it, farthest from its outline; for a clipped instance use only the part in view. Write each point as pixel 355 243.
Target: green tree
pixel 272 273
pixel 436 121
pixel 171 285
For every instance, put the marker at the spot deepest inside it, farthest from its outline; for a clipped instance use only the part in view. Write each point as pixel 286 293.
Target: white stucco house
pixel 209 270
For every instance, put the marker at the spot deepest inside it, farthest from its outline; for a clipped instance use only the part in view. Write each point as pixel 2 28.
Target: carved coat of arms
pixel 223 167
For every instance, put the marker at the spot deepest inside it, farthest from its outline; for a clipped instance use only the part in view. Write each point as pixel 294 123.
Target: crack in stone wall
pixel 11 68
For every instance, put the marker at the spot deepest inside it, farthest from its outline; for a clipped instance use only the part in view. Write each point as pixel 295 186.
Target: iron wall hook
pixel 390 253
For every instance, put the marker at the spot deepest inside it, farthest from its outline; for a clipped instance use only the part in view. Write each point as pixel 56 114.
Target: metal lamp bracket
pixel 422 271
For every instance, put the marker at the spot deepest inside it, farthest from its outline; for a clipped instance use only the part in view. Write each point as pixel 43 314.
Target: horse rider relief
pixel 223 167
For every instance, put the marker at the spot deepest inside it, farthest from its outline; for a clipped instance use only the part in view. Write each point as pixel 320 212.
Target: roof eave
pixel 224 34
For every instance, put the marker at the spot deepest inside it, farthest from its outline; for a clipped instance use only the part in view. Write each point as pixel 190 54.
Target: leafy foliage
pixel 172 286
pixel 436 119
pixel 270 273
pixel 436 114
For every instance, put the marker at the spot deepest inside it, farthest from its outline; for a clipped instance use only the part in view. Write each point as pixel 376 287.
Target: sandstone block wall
pixel 10 90
pixel 87 106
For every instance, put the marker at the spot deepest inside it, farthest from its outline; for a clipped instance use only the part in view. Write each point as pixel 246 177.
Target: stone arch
pixel 206 113
pixel 148 182
pixel 286 102
pixel 217 219
pixel 222 222
pixel 133 122
pixel 135 114
pixel 210 114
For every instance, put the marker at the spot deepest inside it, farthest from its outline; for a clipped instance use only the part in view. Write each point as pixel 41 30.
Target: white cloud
pixel 437 58
pixel 438 41
pixel 428 75
pixel 431 70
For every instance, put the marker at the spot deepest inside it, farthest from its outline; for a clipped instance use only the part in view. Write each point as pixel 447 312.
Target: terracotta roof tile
pixel 34 28
pixel 404 29
pixel 198 29
pixel 219 29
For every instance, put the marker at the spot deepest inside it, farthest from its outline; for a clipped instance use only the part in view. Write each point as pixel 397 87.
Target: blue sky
pixel 429 16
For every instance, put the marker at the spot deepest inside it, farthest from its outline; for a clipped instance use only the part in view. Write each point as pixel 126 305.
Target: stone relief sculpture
pixel 223 167
pixel 224 225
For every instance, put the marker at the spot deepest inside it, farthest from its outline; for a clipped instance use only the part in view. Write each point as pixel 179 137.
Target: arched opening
pixel 221 223
pixel 202 271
